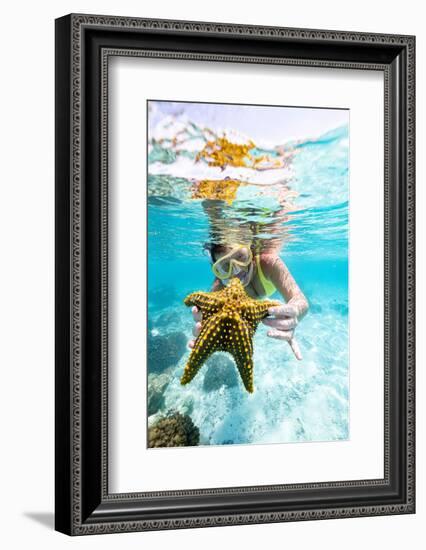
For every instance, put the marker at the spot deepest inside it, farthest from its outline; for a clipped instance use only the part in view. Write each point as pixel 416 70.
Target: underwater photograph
pixel 248 312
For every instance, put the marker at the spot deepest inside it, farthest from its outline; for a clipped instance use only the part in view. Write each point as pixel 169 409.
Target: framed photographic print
pixel 234 274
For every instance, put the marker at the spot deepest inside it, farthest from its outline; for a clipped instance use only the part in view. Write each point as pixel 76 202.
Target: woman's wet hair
pixel 213 249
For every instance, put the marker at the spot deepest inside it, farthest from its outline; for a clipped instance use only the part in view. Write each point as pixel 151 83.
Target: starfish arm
pixel 207 302
pixel 198 298
pixel 238 342
pixel 271 303
pixel 205 344
pixel 257 311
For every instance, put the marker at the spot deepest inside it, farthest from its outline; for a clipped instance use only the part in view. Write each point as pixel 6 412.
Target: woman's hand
pixel 198 316
pixel 283 321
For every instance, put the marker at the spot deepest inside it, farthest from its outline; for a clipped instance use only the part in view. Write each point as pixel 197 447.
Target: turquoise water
pixel 294 401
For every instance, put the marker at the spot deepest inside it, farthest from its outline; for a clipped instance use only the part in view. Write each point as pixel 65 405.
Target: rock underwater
pixel 230 319
pixel 162 296
pixel 165 351
pixel 220 372
pixel 157 384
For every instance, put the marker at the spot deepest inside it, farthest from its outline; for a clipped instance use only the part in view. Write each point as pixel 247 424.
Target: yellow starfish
pixel 222 152
pixel 225 190
pixel 230 319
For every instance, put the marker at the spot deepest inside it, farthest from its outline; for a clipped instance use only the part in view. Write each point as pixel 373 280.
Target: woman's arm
pixel 276 270
pixel 283 319
pixel 217 285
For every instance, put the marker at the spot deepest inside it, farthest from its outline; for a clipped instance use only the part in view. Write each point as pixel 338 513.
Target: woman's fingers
pixel 281 324
pixel 196 329
pixel 285 310
pixel 295 347
pixel 196 313
pixel 288 337
pixel 283 320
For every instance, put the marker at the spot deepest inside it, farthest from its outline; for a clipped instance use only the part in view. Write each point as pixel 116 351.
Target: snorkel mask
pixel 230 265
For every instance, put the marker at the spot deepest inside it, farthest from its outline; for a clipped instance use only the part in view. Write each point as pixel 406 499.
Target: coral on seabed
pixel 173 430
pixel 165 351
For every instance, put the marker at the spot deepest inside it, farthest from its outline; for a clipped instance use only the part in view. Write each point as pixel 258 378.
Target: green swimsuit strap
pixel 268 286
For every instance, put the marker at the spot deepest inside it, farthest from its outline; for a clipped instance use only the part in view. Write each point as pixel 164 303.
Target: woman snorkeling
pixel 262 273
pixel 248 240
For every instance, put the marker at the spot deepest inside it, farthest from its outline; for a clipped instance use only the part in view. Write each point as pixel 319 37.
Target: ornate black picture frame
pixel 83 45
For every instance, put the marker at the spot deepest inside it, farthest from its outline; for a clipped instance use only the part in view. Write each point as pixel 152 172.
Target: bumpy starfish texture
pixel 230 319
